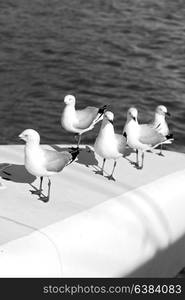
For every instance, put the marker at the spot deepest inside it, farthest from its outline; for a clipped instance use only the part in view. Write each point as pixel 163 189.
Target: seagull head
pixel 132 114
pixel 109 116
pixel 30 136
pixel 69 99
pixel 162 110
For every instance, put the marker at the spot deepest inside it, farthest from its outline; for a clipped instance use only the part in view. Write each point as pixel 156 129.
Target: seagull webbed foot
pixel 138 166
pixel 132 163
pixel 161 154
pixel 44 199
pixel 36 192
pixel 99 172
pixel 135 164
pixel 110 177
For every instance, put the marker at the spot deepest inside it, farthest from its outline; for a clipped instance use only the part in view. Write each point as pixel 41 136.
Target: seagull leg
pixel 49 188
pixel 161 149
pixel 79 139
pixel 38 192
pixel 142 160
pixel 138 166
pixel 110 177
pixel 41 181
pixel 46 198
pixel 102 168
pixel 137 158
pixel 104 160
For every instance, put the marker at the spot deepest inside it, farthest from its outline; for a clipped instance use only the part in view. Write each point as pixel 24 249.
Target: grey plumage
pixel 150 136
pixel 121 143
pixel 56 161
pixel 86 117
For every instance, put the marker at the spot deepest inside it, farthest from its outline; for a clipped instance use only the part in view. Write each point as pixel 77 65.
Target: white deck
pixel 93 227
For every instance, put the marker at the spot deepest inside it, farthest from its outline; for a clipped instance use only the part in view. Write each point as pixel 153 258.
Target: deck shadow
pixel 151 267
pixel 16 173
pixel 86 156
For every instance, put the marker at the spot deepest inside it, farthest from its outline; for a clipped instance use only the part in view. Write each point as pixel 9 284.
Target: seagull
pixel 108 144
pixel 80 121
pixel 160 123
pixel 142 137
pixel 42 162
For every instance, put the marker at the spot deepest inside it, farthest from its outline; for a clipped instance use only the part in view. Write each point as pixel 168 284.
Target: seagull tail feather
pixel 170 137
pixel 100 113
pixel 102 109
pixel 74 153
pixel 168 140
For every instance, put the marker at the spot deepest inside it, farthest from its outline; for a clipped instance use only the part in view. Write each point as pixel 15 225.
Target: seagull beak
pixel 111 121
pixel 134 118
pixel 168 114
pixel 20 136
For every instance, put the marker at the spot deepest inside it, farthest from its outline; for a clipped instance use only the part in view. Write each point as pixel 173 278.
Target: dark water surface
pixel 113 52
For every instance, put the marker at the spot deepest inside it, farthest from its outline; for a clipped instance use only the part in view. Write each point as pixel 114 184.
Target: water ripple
pixel 121 53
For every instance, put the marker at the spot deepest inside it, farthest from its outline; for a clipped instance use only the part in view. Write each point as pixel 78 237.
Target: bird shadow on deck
pixel 17 173
pixel 86 156
pixel 152 268
pixel 133 162
pixel 128 151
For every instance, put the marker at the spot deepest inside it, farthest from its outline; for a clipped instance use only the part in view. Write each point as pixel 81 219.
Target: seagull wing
pixel 86 117
pixel 150 136
pixel 121 142
pixel 56 161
